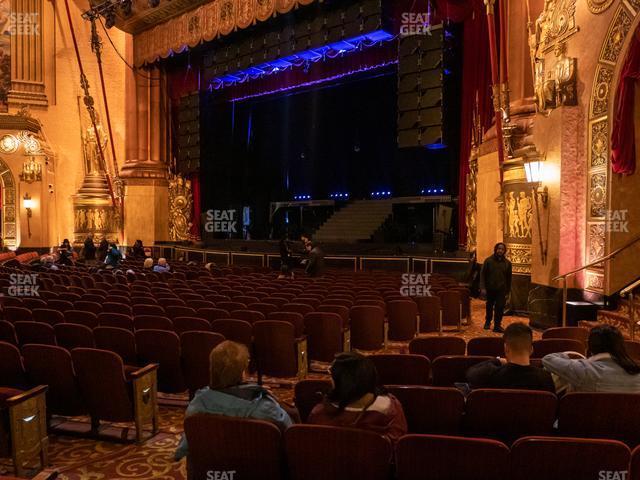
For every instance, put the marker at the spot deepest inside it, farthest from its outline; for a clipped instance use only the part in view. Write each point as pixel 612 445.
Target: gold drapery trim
pixel 203 24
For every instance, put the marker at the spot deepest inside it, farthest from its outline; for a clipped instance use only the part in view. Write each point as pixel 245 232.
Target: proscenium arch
pixel 614 49
pixel 9 206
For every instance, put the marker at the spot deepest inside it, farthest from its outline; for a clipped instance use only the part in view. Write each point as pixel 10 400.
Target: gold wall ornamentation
pixel 556 22
pixel 520 257
pixel 616 35
pixel 9 221
pixel 472 205
pixel 598 194
pixel 519 211
pixel 600 95
pixel 597 243
pixel 594 281
pixel 216 18
pixel 599 141
pixel 180 208
pixel 599 6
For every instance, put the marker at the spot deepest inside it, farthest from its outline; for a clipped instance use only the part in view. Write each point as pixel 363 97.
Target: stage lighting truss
pixel 302 59
pixel 108 10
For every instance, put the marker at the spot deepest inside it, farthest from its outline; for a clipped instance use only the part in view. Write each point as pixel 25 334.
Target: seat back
pixel 190 324
pixel 317 452
pixel 489 346
pixel 71 335
pixel 450 370
pixel 402 369
pixel 274 346
pixel 104 389
pixel 34 332
pixel 556 345
pixel 573 333
pixel 325 336
pixel 52 366
pixel 8 333
pixel 196 348
pixel 308 393
pixel 155 322
pixel 144 309
pixel 601 415
pixel 250 448
pixel 367 327
pixel 47 315
pixel 117 340
pixel 451 303
pixel 451 458
pixel 211 314
pixel 402 316
pixel 430 409
pixel 17 314
pixel 175 311
pixel 558 458
pixel 163 348
pixel 81 317
pixel 507 415
pixel 294 318
pixel 12 372
pixel 118 320
pixel 434 347
pixel 237 331
pixel 250 316
pixel 429 312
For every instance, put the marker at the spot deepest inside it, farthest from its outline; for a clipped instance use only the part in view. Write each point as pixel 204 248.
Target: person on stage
pixel 496 277
pixel 89 250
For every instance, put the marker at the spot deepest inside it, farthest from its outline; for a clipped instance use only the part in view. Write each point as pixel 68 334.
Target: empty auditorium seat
pixel 86 306
pixel 211 314
pixel 250 316
pixel 430 409
pixel 72 335
pixel 117 307
pixel 326 335
pixel 154 322
pixel 278 353
pixel 237 331
pixel 17 314
pixel 8 333
pixel 434 347
pixel 430 313
pixel 294 318
pixel 317 452
pixel 118 340
pixel 144 309
pixel 47 315
pixel 196 348
pixel 572 333
pixel 187 324
pixel 489 346
pixel 453 369
pixel 367 327
pixel 452 310
pixel 81 317
pixel 34 332
pixel 556 345
pixel 162 348
pixel 397 369
pixel 403 319
pixel 439 457
pixel 118 320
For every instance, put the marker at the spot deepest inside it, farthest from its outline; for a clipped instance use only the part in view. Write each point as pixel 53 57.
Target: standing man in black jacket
pixel 496 276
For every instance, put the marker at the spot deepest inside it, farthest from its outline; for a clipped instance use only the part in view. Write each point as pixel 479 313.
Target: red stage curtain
pixel 623 144
pixel 197 205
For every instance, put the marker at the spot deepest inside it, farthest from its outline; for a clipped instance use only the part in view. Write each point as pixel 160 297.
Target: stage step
pixel 356 222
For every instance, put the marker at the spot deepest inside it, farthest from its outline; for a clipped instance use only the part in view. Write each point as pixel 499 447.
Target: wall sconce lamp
pixel 28 204
pixel 534 169
pixel 31 171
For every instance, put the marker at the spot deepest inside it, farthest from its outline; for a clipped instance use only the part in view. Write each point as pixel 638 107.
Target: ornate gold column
pixel 27 61
pixel 518 214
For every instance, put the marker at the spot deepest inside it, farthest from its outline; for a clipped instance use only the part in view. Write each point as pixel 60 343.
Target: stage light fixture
pixel 109 18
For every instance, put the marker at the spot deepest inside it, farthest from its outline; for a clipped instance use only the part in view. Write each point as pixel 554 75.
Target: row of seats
pixel 505 415
pixel 255 449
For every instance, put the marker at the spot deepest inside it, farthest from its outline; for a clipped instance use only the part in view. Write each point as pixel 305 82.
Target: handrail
pixel 564 276
pixel 630 288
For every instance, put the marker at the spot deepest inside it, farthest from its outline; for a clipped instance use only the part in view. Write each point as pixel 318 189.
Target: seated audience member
pixel 608 369
pixel 227 394
pixel 514 371
pixel 357 401
pixel 103 250
pixel 162 266
pixel 114 257
pixel 48 262
pixel 137 251
pixel 148 264
pixel 65 253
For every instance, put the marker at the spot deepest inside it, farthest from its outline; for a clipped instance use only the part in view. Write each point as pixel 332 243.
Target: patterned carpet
pixel 82 459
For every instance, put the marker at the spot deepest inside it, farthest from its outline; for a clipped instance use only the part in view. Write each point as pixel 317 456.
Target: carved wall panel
pixel 9 229
pixel 615 37
pixel 598 6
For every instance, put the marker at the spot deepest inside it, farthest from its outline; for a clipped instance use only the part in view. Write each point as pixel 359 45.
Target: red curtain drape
pixel 623 145
pixel 197 204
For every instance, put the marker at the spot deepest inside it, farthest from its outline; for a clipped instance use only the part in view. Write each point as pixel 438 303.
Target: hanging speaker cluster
pixel 188 134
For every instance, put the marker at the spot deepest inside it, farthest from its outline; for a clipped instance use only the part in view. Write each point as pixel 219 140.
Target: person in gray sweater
pixel 608 369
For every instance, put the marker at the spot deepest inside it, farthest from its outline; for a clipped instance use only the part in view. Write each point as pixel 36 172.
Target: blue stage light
pixel 436 146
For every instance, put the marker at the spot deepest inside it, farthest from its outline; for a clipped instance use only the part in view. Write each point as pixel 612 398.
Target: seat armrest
pixel 143 371
pixel 302 355
pixel 29 394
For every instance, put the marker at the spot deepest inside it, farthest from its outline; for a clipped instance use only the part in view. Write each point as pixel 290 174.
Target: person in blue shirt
pixel 114 257
pixel 162 266
pixel 228 395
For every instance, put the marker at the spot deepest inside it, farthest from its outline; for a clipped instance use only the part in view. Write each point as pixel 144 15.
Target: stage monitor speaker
pixel 188 134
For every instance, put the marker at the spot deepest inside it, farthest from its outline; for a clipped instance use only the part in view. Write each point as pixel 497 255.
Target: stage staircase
pixel 356 222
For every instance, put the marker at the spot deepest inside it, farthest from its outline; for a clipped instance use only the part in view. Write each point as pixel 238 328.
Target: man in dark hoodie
pixel 496 277
pixel 228 395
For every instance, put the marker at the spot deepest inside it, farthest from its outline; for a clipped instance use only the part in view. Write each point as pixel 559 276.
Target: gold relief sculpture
pixel 600 94
pixel 616 35
pixel 8 192
pixel 565 77
pixel 598 6
pixel 180 208
pixel 91 150
pixel 520 257
pixel 595 281
pixel 598 194
pixel 596 241
pixel 472 206
pixel 519 211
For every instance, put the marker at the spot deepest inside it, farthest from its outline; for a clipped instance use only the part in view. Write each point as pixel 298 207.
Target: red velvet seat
pixel 573 333
pixel 434 347
pixel 33 302
pixel 452 309
pixel 453 369
pixel 118 320
pixel 146 300
pixel 238 331
pixel 12 372
pixel 297 307
pixel 211 314
pixel 614 416
pixel 556 345
pixel 294 318
pixel 276 300
pixel 264 308
pixel 196 348
pixel 367 327
pixel 162 348
pixel 165 302
pixel 93 307
pixel 317 452
pixel 17 314
pixel 250 316
pixel 558 458
pixel 489 346
pixel 435 410
pixel 188 324
pixel 71 335
pixel 397 369
pixel 34 332
pixel 308 393
pixel 47 315
pixel 117 307
pixel 429 310
pixel 326 335
pixel 278 353
pixel 117 340
pixel 109 395
pixel 507 415
pixel 52 366
pixel 8 333
pixel 633 349
pixel 250 448
pixel 176 311
pixel 9 301
pixel 197 304
pixel 339 309
pixel 61 305
pixel 80 317
pixel 146 322
pixel 231 306
pixel 439 457
pixel 402 317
